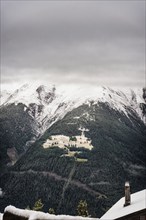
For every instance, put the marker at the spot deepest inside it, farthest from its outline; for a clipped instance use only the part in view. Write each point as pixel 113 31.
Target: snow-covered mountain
pixel 3 96
pixel 50 104
pixel 32 109
pixel 113 121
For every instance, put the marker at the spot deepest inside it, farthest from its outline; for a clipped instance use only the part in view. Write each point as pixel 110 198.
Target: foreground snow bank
pixel 1 216
pixel 33 215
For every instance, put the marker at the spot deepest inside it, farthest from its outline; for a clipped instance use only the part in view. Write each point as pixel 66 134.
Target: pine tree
pixel 82 208
pixel 27 208
pixel 38 205
pixel 51 211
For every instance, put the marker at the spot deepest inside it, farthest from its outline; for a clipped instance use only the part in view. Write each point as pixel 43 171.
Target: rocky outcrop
pixel 143 105
pixel 12 154
pixel 144 94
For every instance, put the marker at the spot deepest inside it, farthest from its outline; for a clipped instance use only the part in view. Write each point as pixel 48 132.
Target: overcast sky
pixel 73 42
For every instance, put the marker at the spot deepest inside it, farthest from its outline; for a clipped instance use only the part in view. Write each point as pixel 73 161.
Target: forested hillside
pixel 61 182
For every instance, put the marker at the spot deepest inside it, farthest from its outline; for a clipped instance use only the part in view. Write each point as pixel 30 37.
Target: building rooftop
pixel 138 203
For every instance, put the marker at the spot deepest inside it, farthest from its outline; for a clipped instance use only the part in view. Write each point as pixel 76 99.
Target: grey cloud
pixel 80 40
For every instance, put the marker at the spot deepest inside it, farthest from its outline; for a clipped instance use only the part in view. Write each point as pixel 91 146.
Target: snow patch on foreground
pixel 33 215
pixel 1 216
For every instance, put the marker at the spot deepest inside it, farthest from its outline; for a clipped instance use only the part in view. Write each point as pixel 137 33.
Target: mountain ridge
pixel 48 100
pixel 42 106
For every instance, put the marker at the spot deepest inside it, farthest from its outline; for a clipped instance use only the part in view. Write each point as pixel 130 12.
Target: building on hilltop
pixel 63 141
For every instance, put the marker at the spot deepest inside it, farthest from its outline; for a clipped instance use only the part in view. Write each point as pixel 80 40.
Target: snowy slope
pixel 4 96
pixel 48 104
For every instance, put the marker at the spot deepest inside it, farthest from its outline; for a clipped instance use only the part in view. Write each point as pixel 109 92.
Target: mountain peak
pixel 56 102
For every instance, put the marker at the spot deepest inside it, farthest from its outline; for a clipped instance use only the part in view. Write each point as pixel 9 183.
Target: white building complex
pixel 63 141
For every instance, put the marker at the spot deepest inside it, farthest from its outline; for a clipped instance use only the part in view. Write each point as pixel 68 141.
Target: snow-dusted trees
pixel 82 208
pixel 38 205
pixel 51 211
